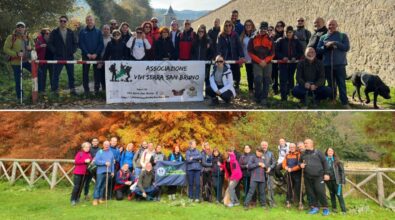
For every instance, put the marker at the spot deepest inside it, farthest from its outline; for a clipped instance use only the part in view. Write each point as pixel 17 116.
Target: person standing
pixel 138 45
pixel 147 30
pixel 245 158
pixel 107 37
pixel 302 34
pixel 233 174
pixel 186 39
pixel 137 159
pixel 261 51
pixel 194 167
pixel 288 49
pixel 270 164
pixel 44 53
pixel 17 47
pixel 175 156
pixel 104 160
pixel 164 49
pixel 116 49
pixel 93 151
pixel 207 163
pixel 175 37
pixel 245 37
pixel 127 157
pixel 217 174
pixel 337 179
pixel 113 25
pixel 315 174
pixel 155 28
pixel 291 166
pixel 334 47
pixel 91 45
pixel 283 149
pixel 125 32
pixel 257 167
pixel 81 161
pixel 213 35
pixel 319 31
pixel 230 48
pixel 278 33
pixel 238 27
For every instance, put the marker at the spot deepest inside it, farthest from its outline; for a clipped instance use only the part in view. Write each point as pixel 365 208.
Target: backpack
pixel 13 40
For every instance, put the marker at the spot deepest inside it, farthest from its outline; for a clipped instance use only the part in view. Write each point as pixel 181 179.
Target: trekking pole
pixel 301 191
pixel 332 78
pixel 106 187
pixel 21 80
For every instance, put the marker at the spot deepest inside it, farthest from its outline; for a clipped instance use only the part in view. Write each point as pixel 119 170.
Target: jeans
pixel 287 79
pixel 262 80
pixel 236 74
pixel 100 185
pixel 193 184
pixel 42 76
pixel 137 172
pixel 218 182
pixel 17 76
pixel 85 76
pixel 321 93
pixel 56 76
pixel 315 188
pixel 250 76
pixel 151 191
pixel 333 190
pixel 339 75
pixel 232 191
pixel 251 192
pixel 79 181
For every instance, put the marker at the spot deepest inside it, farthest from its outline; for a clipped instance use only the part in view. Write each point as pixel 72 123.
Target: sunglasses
pixel 219 61
pixel 63 21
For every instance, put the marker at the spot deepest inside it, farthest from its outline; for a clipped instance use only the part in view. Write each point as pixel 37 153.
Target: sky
pixel 196 5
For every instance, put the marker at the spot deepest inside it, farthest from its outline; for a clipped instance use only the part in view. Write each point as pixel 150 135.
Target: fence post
pixel 34 81
pixel 13 173
pixel 33 173
pixel 54 174
pixel 380 188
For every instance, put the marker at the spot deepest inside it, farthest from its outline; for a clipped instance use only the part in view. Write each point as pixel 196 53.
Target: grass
pixel 243 101
pixel 22 202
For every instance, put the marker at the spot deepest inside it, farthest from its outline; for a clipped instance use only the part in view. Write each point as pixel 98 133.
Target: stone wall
pixel 370 24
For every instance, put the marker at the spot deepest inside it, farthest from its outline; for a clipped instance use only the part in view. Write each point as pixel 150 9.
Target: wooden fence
pixel 53 171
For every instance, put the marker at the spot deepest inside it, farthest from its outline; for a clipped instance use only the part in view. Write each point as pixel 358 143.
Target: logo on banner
pixel 120 75
pixel 161 171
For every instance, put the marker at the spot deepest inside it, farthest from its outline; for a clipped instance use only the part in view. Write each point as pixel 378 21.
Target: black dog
pixel 372 83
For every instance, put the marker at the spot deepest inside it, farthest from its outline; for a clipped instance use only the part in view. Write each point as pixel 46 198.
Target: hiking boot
pixel 87 198
pixel 73 203
pixel 347 106
pixel 174 196
pixel 325 212
pixel 313 211
pixel 190 200
pixel 246 207
pixel 288 205
pixel 101 201
pixel 230 205
pixel 130 196
pixel 197 200
pixel 95 202
pixel 73 92
pixel 334 210
pixel 237 204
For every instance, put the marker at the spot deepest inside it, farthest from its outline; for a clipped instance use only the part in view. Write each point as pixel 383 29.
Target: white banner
pixel 154 81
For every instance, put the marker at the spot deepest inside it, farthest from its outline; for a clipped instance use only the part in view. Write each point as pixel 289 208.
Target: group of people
pixel 129 172
pixel 316 57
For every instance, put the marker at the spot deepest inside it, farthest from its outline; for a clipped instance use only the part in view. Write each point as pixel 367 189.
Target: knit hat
pixel 264 25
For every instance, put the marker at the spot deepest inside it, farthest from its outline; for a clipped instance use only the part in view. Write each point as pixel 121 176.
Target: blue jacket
pixel 126 158
pixel 100 160
pixel 195 163
pixel 175 157
pixel 230 47
pixel 239 28
pixel 339 53
pixel 91 41
pixel 116 153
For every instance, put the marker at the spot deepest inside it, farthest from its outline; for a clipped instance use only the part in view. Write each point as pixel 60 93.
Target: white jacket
pixel 282 151
pixel 227 80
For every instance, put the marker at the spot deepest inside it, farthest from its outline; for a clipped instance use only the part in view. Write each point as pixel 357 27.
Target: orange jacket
pixel 261 48
pixel 291 160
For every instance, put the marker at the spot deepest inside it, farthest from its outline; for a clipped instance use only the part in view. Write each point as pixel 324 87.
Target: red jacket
pixel 40 50
pixel 261 48
pixel 79 161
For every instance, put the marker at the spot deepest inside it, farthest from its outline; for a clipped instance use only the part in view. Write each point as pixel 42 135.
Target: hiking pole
pixel 21 79
pixel 106 187
pixel 301 191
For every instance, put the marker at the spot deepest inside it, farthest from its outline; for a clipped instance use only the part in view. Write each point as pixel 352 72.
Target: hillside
pixel 370 25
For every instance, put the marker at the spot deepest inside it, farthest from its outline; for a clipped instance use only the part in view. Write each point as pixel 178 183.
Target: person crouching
pixel 123 181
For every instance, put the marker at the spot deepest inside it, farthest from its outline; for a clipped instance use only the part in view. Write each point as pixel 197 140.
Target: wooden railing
pixel 53 171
